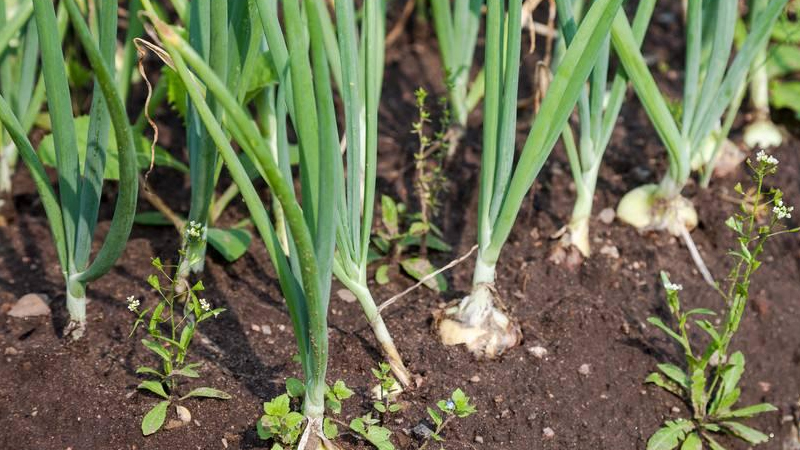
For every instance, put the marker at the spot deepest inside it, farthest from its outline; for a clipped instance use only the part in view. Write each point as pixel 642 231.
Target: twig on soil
pixel 397 29
pixel 431 275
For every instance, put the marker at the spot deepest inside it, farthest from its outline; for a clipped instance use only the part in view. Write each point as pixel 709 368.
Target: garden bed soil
pixel 56 394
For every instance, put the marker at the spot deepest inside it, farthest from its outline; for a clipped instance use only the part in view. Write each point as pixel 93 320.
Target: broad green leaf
pixel 670 435
pixel 750 435
pixel 230 243
pixel 749 411
pixel 186 372
pixel 675 374
pixel 176 91
pixel 418 268
pixel 293 419
pixel 207 392
pixel 263 432
pixel 437 419
pixel 357 425
pixel 154 418
pixel 418 229
pixel 783 60
pixel 698 391
pixel 155 387
pixel 725 402
pixel 668 385
pixel 389 215
pixel 785 94
pixel 295 388
pixel 732 372
pixel 158 349
pixel 149 371
pixel 329 429
pixel 341 391
pixel 163 158
pixel 382 274
pixel 151 218
pixel 709 329
pixel 692 442
pixel 660 324
pixel 278 407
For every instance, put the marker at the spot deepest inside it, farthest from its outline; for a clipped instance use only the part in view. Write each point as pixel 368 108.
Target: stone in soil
pixel 30 305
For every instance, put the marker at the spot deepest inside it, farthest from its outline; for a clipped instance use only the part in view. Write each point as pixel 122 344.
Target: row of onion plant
pixel 712 89
pixel 598 110
pixel 336 209
pixel 73 212
pixel 478 320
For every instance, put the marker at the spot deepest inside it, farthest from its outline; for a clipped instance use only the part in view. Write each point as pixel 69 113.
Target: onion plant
pixel 73 214
pixel 598 109
pixel 362 76
pixel 762 132
pixel 457 27
pixel 476 321
pixel 710 88
pixel 21 83
pixel 305 258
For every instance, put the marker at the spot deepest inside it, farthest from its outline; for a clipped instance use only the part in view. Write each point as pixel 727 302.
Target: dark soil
pixel 59 395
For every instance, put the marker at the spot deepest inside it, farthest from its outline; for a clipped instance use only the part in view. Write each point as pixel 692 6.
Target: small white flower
pixel 763 157
pixel 672 286
pixel 782 211
pixel 133 304
pixel 204 304
pixel 195 230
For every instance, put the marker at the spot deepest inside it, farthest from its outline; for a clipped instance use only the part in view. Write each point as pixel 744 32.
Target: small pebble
pixel 538 351
pixel 675 410
pixel 475 379
pixel 224 442
pixel 183 414
pixel 422 431
pixel 548 433
pixel 765 387
pixel 266 329
pixel 30 305
pixel 584 370
pixel 607 215
pixel 281 327
pixel 11 351
pixel 255 328
pixel 479 439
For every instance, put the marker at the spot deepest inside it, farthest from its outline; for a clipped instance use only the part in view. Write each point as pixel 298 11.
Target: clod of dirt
pixel 11 351
pixel 538 351
pixel 607 215
pixel 174 423
pixel 30 305
pixel 346 295
pixel 729 158
pixel 610 250
pixel 585 370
